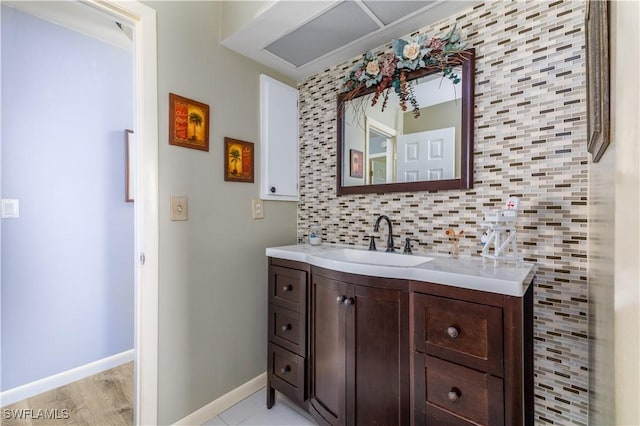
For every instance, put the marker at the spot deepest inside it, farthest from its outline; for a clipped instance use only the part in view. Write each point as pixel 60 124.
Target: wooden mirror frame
pixel 465 59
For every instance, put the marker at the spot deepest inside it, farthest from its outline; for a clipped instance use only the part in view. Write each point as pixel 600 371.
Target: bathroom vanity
pixel 360 337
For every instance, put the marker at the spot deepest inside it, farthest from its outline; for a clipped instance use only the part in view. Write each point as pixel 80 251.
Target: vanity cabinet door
pixel 378 357
pixel 360 354
pixel 328 355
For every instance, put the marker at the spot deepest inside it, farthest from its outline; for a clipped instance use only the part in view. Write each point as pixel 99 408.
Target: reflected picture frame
pixel 356 163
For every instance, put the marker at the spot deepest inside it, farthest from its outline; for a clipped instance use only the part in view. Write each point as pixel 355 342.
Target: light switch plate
pixel 10 208
pixel 257 209
pixel 179 208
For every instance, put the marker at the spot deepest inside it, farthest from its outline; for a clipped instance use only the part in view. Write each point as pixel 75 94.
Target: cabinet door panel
pixel 328 350
pixel 378 357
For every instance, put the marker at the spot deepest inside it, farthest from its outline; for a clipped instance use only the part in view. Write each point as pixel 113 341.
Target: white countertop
pixel 474 273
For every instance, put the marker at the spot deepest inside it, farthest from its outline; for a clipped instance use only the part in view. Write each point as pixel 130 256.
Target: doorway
pixel 142 21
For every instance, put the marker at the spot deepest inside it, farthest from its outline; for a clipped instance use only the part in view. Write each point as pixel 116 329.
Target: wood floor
pixel 102 399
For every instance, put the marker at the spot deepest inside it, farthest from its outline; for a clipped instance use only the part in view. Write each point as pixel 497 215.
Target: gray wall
pixel 67 263
pixel 213 271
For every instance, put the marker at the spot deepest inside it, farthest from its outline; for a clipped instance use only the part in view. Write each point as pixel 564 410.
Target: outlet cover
pixel 179 208
pixel 257 209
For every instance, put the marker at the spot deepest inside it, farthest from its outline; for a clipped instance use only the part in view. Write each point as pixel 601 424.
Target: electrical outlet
pixel 257 209
pixel 179 208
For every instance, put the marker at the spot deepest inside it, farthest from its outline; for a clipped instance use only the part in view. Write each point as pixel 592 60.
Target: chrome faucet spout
pixel 376 226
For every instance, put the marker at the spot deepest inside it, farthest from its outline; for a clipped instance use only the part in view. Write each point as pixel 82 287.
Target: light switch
pixel 10 208
pixel 179 208
pixel 257 209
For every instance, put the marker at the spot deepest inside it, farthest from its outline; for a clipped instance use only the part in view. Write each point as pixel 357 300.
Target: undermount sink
pixel 373 257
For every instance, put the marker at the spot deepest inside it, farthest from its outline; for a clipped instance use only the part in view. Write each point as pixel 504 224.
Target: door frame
pixel 143 21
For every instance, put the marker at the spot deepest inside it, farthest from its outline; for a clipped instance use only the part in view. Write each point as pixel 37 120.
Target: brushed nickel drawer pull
pixel 340 299
pixel 453 332
pixel 287 287
pixel 286 327
pixel 285 369
pixel 453 395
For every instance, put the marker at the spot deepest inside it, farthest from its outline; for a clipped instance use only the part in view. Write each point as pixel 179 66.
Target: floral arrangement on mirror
pixel 389 71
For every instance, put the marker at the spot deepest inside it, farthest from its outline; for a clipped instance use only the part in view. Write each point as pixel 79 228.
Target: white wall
pixel 213 269
pixel 614 232
pixel 625 132
pixel 67 263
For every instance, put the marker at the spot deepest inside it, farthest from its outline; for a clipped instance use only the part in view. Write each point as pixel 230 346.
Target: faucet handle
pixel 372 242
pixel 407 245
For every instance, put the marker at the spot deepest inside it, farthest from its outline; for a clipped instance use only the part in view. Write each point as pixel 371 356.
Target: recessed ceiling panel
pixel 390 11
pixel 332 30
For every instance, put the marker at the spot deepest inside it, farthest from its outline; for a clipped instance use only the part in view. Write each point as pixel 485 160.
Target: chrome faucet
pixel 390 248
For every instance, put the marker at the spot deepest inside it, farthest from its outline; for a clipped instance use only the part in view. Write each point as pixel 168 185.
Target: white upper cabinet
pixel 278 140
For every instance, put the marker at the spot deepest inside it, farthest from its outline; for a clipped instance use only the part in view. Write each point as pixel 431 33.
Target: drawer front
pixel 287 328
pixel 286 371
pixel 288 288
pixel 460 395
pixel 463 332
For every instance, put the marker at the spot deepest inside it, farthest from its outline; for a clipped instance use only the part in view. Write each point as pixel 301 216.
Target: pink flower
pixel 388 64
pixel 436 43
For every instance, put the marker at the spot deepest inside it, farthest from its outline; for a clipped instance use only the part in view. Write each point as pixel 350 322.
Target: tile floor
pixel 253 411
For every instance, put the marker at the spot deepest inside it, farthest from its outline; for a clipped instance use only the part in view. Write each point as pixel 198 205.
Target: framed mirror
pixel 392 150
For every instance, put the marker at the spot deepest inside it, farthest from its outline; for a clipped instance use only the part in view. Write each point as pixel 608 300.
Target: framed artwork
pixel 597 64
pixel 356 163
pixel 238 160
pixel 130 165
pixel 188 123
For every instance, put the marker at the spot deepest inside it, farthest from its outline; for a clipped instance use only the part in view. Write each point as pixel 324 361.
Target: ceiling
pixel 80 17
pixel 301 38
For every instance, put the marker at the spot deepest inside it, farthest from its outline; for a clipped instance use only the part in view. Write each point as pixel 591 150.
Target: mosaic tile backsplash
pixel 530 141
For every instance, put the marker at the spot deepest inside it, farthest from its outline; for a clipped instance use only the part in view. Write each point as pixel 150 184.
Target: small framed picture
pixel 238 160
pixel 188 123
pixel 130 165
pixel 356 163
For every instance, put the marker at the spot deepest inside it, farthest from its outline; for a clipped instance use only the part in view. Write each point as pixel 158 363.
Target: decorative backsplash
pixel 530 142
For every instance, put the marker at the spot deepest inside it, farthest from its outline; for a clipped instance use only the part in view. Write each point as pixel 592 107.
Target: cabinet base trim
pixel 212 409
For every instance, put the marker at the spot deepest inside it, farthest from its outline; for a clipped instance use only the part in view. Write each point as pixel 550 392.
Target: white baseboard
pixel 227 400
pixel 48 383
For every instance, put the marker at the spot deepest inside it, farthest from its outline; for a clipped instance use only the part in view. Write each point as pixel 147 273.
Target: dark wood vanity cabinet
pixel 359 359
pixel 287 330
pixel 355 350
pixel 473 357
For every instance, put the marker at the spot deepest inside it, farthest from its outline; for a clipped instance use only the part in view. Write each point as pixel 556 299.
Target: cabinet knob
pixel 453 332
pixel 285 369
pixel 286 327
pixel 453 395
pixel 287 287
pixel 272 189
pixel 348 301
pixel 340 299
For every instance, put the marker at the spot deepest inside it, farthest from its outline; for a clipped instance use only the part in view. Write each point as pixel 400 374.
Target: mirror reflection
pixel 393 146
pixel 389 150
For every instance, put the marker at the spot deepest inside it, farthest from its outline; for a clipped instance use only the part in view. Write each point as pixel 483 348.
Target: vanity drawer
pixel 456 395
pixel 286 371
pixel 463 332
pixel 287 328
pixel 288 288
